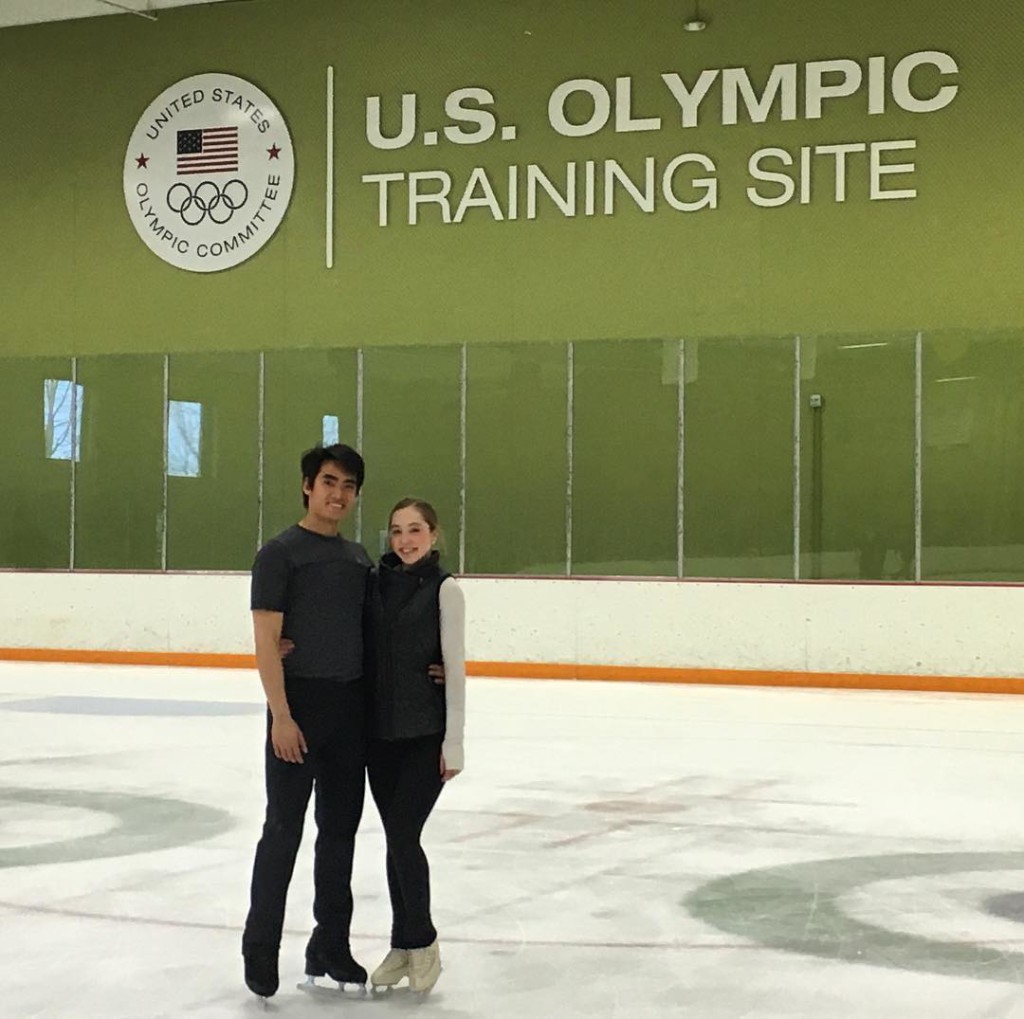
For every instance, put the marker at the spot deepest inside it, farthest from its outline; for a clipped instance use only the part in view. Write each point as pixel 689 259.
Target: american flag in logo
pixel 208 150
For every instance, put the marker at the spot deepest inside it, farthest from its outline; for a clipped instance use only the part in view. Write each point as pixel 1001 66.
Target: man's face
pixel 332 494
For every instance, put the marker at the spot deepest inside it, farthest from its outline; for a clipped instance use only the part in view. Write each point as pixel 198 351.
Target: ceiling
pixel 26 12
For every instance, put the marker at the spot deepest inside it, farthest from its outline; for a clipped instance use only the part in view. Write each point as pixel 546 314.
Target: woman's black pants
pixel 405 780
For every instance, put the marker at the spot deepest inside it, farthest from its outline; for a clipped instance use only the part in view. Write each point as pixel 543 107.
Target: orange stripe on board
pixel 556 670
pixel 179 658
pixel 747 677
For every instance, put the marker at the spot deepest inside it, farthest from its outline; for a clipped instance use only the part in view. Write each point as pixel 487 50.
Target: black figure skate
pixel 334 960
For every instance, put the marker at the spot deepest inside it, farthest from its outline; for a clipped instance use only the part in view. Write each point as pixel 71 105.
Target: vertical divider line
pixel 796 457
pixel 463 377
pixel 359 441
pixel 163 456
pixel 569 409
pixel 260 447
pixel 918 450
pixel 680 457
pixel 329 198
pixel 73 475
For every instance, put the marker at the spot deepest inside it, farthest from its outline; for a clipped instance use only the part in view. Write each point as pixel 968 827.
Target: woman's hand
pixel 447 773
pixel 285 647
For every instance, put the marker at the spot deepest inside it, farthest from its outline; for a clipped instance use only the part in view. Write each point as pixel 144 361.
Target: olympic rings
pixel 208 199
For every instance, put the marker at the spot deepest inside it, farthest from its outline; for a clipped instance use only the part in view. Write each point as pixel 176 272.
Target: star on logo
pixel 274 151
pixel 142 162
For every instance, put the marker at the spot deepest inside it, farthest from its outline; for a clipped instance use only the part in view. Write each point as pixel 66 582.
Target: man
pixel 308 587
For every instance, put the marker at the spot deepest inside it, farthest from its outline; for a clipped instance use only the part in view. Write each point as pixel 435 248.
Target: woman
pixel 416 614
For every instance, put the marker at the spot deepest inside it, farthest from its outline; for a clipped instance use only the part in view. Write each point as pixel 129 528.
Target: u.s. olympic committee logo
pixel 209 171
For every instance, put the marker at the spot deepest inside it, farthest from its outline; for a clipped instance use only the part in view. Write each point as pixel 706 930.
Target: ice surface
pixel 611 850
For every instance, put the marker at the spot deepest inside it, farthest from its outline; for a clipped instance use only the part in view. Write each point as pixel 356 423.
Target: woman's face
pixel 411 536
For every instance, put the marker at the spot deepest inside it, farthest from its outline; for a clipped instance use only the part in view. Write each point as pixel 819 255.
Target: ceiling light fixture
pixel 695 23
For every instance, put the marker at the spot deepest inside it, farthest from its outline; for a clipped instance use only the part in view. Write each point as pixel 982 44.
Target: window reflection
pixel 331 429
pixel 184 438
pixel 62 419
pixel 972 456
pixel 738 435
pixel 857 474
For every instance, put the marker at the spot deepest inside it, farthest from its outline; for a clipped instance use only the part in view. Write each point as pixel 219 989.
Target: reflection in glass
pixel 213 500
pixel 412 438
pixel 331 429
pixel 36 504
pixel 857 457
pixel 184 438
pixel 516 458
pixel 119 484
pixel 973 456
pixel 310 396
pixel 857 465
pixel 625 458
pixel 738 474
pixel 62 419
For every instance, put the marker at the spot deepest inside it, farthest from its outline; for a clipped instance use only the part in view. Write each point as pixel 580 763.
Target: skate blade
pixel 332 989
pixel 384 990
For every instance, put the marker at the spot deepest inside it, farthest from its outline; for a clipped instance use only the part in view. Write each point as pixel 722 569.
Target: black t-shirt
pixel 319 583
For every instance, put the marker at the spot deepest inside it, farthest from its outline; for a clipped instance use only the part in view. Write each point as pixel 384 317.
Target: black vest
pixel 405 633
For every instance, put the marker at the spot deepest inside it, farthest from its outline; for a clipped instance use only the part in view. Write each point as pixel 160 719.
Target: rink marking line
pixel 568 670
pixel 83 914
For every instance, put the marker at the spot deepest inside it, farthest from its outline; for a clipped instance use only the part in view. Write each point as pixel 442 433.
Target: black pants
pixel 405 779
pixel 331 716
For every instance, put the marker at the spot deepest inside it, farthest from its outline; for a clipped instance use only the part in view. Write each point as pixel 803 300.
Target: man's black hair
pixel 344 456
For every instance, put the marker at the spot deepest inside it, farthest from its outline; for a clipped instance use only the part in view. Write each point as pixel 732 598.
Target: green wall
pixel 541 322
pixel 80 280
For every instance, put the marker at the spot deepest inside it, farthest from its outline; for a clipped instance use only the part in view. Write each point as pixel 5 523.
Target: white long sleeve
pixel 452 603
